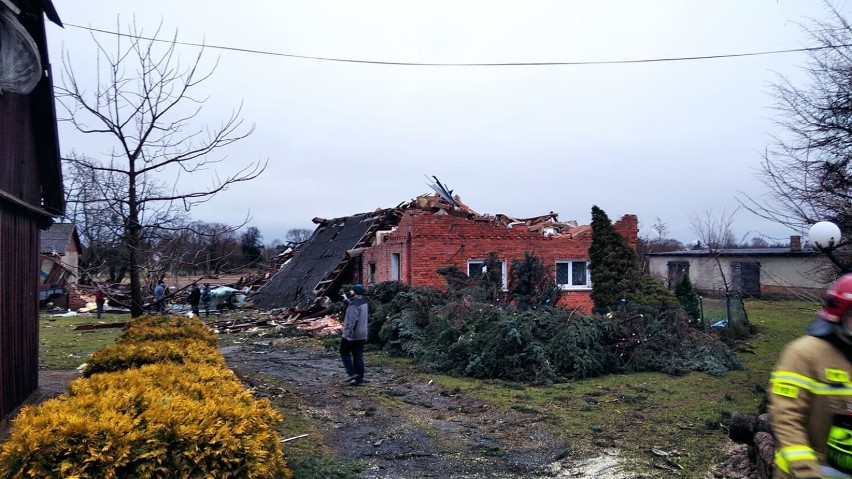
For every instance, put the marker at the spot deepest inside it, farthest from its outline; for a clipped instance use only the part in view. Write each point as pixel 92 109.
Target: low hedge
pixel 165 328
pixel 133 355
pixel 184 415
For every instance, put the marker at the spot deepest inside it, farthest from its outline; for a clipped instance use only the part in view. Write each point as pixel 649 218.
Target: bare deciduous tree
pixel 298 235
pixel 715 232
pixel 808 167
pixel 144 102
pixel 99 225
pixel 656 243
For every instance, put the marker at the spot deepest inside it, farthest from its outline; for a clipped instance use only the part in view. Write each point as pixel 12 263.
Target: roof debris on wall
pixel 322 264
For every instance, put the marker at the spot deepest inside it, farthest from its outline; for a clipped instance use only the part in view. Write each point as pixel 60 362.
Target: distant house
pixel 411 242
pixel 786 272
pixel 31 191
pixel 60 254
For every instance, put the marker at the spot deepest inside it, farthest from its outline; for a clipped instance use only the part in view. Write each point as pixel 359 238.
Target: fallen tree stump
pixel 764 443
pixel 756 432
pixel 743 427
pixel 88 326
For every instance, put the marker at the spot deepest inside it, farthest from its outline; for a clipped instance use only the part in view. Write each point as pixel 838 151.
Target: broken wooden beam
pixel 88 326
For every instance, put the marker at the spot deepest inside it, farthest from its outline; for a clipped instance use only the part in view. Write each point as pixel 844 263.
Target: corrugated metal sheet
pixel 19 281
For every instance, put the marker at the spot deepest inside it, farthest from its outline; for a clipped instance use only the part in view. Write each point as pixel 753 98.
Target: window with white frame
pixel 476 267
pixel 395 266
pixel 573 274
pixel 372 270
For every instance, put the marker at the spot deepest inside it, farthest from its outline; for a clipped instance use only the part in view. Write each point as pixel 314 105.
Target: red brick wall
pixel 427 242
pixel 628 227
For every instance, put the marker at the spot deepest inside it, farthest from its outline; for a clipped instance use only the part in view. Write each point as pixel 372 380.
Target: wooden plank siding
pixel 19 169
pixel 19 267
pixel 30 193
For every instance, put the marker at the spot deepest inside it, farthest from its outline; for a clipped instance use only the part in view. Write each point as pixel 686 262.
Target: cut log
pixel 765 445
pixel 742 428
pixel 88 326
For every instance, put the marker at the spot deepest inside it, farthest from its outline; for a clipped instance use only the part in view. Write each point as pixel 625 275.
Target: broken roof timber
pixel 319 265
pixel 325 260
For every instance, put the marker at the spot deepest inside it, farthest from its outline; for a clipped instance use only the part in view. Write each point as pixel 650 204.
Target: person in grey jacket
pixel 354 335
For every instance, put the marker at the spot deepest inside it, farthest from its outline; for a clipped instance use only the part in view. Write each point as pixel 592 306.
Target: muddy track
pixel 402 427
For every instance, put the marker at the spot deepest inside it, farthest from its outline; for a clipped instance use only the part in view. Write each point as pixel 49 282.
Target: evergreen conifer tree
pixel 687 297
pixel 613 264
pixel 531 283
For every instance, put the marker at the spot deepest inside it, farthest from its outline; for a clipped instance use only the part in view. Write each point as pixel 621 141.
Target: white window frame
pixel 396 263
pixel 505 285
pixel 574 287
pixel 371 271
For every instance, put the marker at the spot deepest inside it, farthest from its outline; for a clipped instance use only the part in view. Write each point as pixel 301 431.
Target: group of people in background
pixel 198 298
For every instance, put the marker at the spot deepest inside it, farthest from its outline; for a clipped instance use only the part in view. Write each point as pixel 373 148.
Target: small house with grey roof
pixel 779 272
pixel 60 254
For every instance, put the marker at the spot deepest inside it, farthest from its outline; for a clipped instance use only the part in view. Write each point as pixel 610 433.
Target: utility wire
pixel 426 64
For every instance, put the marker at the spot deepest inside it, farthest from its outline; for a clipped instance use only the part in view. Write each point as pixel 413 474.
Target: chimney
pixel 795 243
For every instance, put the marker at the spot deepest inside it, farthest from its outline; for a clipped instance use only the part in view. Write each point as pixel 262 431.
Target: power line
pixel 426 64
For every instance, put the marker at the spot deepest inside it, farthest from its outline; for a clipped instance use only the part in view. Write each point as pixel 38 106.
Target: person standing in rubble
pixel 810 397
pixel 205 299
pixel 194 298
pixel 354 334
pixel 100 299
pixel 159 296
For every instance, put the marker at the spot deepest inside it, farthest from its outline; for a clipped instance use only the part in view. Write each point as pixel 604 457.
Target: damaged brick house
pixel 411 242
pixel 60 257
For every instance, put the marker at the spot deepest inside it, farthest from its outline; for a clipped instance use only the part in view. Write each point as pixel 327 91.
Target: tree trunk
pixel 134 231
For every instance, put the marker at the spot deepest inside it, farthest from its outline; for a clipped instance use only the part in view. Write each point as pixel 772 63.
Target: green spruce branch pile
pixel 473 329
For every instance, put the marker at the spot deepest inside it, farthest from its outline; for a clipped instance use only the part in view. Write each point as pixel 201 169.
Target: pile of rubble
pixel 261 321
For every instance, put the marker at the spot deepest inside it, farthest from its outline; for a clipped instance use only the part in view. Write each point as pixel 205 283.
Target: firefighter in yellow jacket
pixel 810 399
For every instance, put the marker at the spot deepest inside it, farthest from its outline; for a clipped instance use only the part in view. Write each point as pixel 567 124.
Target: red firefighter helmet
pixel 838 299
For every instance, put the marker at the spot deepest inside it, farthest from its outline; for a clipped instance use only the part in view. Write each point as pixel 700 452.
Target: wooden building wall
pixel 31 193
pixel 19 245
pixel 19 168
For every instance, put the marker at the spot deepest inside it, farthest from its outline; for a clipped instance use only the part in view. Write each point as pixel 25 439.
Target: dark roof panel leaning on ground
pixel 317 260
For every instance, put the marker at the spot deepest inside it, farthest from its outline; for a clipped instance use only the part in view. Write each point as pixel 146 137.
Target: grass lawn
pixel 63 347
pixel 683 415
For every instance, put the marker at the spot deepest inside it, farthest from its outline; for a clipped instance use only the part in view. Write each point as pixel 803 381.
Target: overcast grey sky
pixel 666 140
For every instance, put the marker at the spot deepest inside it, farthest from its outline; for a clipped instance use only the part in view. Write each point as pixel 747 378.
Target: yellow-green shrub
pixel 164 328
pixel 135 354
pixel 157 421
pixel 179 413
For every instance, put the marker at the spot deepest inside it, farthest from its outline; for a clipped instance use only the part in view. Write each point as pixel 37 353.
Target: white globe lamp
pixel 824 234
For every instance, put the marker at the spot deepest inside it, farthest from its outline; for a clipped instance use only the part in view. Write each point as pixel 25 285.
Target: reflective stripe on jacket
pixel 810 385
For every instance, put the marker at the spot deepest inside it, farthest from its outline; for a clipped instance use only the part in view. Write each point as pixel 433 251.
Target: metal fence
pixel 723 312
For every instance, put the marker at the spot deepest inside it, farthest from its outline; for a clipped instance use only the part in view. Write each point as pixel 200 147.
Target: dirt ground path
pixel 402 427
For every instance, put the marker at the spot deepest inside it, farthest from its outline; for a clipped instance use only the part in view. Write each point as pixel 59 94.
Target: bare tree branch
pixel 808 168
pixel 144 103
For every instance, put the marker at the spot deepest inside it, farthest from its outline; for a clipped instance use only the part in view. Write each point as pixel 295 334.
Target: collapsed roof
pixel 322 264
